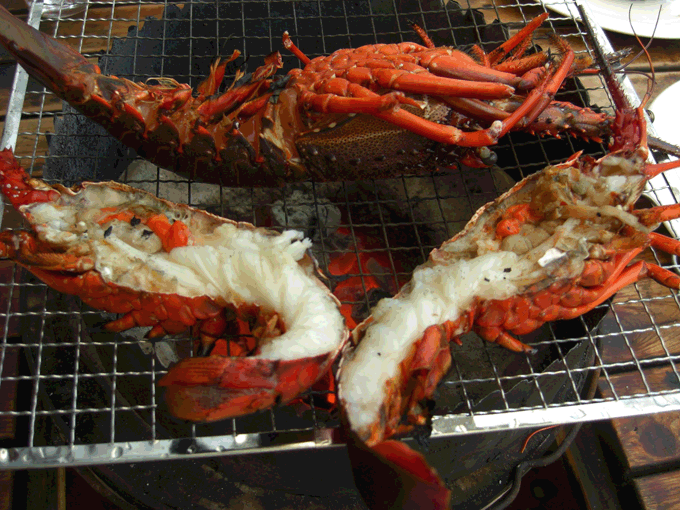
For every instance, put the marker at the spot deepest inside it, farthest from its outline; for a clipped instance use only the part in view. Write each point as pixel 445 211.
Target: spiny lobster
pixel 374 111
pixel 170 268
pixel 555 246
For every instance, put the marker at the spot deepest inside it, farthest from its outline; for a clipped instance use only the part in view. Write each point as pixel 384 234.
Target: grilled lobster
pixel 558 244
pixel 170 267
pixel 374 111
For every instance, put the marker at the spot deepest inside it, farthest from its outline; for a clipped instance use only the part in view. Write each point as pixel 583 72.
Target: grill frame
pixel 319 433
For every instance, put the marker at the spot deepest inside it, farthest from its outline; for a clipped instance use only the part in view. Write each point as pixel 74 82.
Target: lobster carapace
pixel 375 111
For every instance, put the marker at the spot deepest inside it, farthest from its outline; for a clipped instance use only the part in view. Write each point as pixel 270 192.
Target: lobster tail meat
pixel 374 111
pixel 171 267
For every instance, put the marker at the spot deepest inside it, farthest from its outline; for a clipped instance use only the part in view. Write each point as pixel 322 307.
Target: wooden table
pixel 648 447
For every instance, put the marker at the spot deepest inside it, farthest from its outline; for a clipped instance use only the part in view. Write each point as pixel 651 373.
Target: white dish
pixel 614 15
pixel 666 109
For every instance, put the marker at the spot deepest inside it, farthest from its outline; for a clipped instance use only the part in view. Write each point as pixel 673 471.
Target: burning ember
pixel 362 274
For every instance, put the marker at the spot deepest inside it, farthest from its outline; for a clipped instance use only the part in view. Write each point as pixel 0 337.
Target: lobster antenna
pixel 620 99
pixel 644 47
pixel 650 84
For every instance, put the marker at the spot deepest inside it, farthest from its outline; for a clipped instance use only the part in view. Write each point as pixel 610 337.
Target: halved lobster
pixel 373 111
pixel 555 246
pixel 170 267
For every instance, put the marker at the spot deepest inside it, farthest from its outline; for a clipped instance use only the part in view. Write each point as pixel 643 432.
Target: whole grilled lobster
pixel 374 111
pixel 555 246
pixel 170 268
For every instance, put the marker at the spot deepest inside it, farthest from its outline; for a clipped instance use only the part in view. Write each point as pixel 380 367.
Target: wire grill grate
pixel 87 396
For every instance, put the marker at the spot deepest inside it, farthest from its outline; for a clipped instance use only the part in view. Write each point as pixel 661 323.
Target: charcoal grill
pixel 87 397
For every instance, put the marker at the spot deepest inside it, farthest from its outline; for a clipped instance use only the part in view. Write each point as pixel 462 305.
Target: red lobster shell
pixel 555 246
pixel 373 111
pixel 171 267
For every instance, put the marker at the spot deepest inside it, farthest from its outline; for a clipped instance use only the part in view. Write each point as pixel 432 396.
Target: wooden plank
pixel 649 440
pixel 590 467
pixel 646 440
pixel 33 142
pixel 8 391
pixel 44 488
pixel 99 27
pixel 628 384
pixel 660 491
pixel 6 489
pixel 36 98
pixel 647 324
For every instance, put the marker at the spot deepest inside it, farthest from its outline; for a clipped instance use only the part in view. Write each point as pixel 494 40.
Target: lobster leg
pixel 504 49
pixel 363 100
pixel 524 314
pixel 444 134
pixel 459 65
pixel 548 91
pixel 26 249
pixel 628 276
pixel 503 338
pixel 422 83
pixel 556 118
pixel 665 243
pixel 430 363
pixel 519 64
pixel 168 314
pixel 537 99
pixel 659 214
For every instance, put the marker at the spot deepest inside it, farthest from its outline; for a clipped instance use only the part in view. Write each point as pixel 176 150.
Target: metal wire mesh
pixel 98 389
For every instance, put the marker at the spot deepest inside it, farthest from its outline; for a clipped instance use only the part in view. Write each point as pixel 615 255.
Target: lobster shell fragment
pixel 170 268
pixel 374 111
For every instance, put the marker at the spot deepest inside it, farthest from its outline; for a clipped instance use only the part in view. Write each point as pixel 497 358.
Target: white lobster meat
pixel 171 267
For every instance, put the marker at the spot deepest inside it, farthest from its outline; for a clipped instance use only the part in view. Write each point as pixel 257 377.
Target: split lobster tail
pixel 250 296
pixel 558 244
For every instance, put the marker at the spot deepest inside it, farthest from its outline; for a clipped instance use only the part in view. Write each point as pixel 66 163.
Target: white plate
pixel 613 15
pixel 666 109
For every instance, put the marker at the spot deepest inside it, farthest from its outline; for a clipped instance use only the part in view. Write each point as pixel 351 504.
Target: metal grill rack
pixel 85 396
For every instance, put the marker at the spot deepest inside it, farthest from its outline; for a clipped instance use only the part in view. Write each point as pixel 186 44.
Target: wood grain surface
pixel 660 491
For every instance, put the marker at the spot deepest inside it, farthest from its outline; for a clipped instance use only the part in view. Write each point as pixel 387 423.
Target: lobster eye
pixel 650 114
